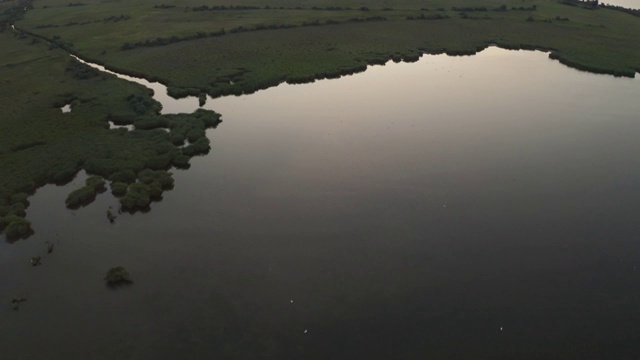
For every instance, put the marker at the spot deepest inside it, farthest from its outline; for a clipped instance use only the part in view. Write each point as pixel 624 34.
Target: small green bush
pixel 200 147
pixel 194 134
pixel 117 276
pixel 119 188
pixel 155 190
pixel 18 209
pixel 83 196
pixel 137 196
pixel 86 194
pixel 16 227
pixel 96 183
pixel 181 161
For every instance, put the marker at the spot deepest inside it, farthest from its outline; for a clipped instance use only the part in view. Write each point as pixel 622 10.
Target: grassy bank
pixel 239 46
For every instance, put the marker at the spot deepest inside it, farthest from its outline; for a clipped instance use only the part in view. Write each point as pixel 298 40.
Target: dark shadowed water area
pixel 481 207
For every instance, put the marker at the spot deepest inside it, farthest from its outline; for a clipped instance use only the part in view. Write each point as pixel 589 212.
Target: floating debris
pixel 49 247
pixel 36 260
pixel 305 331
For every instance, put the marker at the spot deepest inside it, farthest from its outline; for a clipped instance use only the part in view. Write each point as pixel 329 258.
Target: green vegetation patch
pixel 39 144
pixel 232 47
pixel 86 194
pixel 240 46
pixel 118 276
pixel 15 227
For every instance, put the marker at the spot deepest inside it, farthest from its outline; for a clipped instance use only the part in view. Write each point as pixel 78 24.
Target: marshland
pixel 410 179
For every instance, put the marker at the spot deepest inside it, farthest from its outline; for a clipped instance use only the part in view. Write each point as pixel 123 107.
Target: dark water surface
pixel 481 207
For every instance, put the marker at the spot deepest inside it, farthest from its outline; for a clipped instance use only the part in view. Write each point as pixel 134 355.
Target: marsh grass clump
pixel 142 104
pixel 181 161
pixel 137 197
pixel 18 209
pixel 162 178
pixel 118 276
pixel 200 147
pixel 15 227
pixel 158 162
pixel 86 194
pixel 150 186
pixel 12 213
pixel 119 188
pixel 64 174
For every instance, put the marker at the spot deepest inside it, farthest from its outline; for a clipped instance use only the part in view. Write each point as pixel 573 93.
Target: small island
pixel 118 276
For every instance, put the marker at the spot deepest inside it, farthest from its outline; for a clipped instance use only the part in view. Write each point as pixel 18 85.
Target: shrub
pixel 16 227
pixel 163 178
pixel 80 197
pixel 117 276
pixel 137 196
pixel 194 134
pixel 96 183
pixel 123 176
pixel 18 209
pixel 86 194
pixel 155 190
pixel 181 161
pixel 119 188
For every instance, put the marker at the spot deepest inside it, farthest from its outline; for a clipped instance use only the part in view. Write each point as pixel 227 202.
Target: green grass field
pixel 232 47
pixel 258 44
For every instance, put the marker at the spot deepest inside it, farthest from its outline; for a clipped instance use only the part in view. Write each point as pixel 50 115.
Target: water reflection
pixel 476 207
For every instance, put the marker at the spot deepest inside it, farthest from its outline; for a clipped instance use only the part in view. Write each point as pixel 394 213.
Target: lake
pixel 481 207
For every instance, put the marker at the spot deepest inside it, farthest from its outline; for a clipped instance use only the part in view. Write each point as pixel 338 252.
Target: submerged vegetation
pixel 230 47
pixel 118 276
